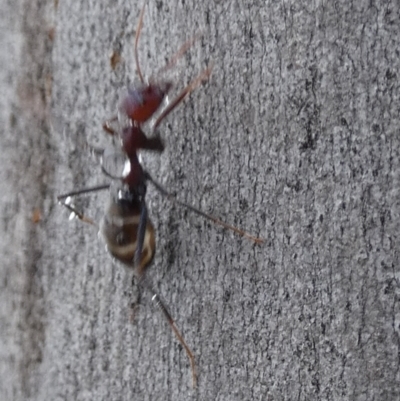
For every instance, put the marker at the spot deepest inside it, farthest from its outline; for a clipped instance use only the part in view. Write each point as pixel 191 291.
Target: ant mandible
pixel 126 228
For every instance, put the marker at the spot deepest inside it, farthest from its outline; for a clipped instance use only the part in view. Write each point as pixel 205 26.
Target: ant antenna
pixel 137 36
pixel 176 56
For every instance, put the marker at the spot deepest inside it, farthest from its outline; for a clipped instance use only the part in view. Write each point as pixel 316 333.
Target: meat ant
pixel 126 228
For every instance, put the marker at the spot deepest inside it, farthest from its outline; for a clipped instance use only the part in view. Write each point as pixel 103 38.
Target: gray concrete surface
pixel 296 138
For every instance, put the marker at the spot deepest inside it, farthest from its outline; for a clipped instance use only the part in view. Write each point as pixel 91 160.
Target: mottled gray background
pixel 296 138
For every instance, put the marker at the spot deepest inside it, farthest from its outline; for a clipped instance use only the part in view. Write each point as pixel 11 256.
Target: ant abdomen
pixel 119 228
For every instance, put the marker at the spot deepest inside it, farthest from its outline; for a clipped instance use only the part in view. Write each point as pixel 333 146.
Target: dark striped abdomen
pixel 119 229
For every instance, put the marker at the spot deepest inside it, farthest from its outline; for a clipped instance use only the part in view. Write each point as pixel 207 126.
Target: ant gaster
pixel 125 227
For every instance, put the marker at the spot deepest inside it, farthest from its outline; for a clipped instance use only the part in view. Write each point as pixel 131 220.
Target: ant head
pixel 139 104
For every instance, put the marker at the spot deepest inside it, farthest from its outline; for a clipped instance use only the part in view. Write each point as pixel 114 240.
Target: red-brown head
pixel 141 103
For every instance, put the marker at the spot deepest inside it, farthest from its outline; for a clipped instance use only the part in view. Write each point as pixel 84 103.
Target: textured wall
pixel 296 137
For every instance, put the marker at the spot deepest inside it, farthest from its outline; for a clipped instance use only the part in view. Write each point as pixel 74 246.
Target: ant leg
pixel 182 50
pixel 174 199
pixel 79 215
pixel 137 36
pixel 95 151
pixel 141 232
pixel 134 305
pixel 83 191
pixel 63 199
pixel 107 127
pixel 145 283
pixel 204 75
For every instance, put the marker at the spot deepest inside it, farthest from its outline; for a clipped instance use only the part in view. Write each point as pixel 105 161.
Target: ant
pixel 126 228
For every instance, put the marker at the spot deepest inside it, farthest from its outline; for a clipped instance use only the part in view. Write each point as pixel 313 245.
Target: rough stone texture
pixel 296 137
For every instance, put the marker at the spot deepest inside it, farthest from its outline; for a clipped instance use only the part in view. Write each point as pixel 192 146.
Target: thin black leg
pixel 145 283
pixel 214 219
pixel 83 191
pixel 81 216
pixel 140 236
